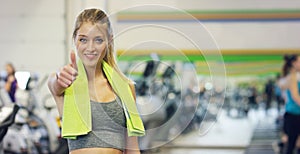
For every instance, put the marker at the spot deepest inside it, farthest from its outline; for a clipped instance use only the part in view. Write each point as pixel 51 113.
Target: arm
pixel 293 86
pixel 58 82
pixel 132 146
pixel 57 92
pixel 8 83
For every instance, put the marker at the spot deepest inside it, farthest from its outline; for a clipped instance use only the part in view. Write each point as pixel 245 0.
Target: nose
pixel 90 46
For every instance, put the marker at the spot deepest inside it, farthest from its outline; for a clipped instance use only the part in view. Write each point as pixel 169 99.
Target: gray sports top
pixel 108 128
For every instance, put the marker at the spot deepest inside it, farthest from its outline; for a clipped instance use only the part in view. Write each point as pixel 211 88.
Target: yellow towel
pixel 77 118
pixel 77 111
pixel 134 123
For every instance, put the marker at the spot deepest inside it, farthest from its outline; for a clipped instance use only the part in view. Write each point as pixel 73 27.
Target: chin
pixel 89 63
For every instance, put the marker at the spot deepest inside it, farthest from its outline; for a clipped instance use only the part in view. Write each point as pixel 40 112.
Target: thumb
pixel 73 60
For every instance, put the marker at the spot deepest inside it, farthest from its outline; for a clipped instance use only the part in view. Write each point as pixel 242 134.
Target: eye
pixel 99 40
pixel 83 40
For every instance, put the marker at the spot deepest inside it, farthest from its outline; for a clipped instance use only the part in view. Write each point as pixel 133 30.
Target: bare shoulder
pixel 288 81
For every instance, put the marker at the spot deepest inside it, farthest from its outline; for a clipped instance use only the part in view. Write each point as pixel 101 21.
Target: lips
pixel 90 55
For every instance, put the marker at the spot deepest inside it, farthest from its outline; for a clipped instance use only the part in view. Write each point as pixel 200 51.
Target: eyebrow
pixel 82 35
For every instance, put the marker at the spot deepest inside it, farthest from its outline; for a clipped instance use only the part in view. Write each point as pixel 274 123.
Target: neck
pixel 94 72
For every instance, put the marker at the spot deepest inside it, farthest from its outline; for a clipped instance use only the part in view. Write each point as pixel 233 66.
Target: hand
pixel 67 74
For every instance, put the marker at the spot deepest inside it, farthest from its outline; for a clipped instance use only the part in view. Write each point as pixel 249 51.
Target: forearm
pixel 57 92
pixel 54 87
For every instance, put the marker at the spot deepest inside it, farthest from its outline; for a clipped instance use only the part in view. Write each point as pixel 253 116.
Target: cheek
pixel 80 46
pixel 101 48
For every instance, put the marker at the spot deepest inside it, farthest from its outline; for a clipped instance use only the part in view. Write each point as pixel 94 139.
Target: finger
pixel 68 72
pixel 62 81
pixel 73 60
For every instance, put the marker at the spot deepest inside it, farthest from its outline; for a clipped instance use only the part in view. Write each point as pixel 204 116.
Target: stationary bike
pixel 7 118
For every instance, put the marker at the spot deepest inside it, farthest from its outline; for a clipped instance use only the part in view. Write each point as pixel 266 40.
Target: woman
pixel 93 40
pixel 292 108
pixel 11 82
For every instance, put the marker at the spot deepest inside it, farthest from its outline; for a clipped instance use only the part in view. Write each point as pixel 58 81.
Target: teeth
pixel 91 54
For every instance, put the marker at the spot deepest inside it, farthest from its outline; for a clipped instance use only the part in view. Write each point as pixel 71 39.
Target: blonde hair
pixel 97 16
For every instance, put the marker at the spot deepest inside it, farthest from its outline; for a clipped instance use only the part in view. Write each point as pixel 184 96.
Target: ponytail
pixel 288 61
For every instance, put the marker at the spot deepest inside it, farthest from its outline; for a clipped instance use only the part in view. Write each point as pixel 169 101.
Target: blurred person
pixel 11 81
pixel 252 98
pixel 292 101
pixel 269 91
pixel 93 41
pixel 278 93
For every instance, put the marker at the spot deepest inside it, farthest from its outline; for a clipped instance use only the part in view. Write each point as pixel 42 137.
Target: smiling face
pixel 91 43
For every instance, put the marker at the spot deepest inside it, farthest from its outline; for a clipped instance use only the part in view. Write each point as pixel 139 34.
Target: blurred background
pixel 205 71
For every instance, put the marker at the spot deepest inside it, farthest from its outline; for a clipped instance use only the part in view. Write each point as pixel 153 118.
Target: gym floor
pixel 257 133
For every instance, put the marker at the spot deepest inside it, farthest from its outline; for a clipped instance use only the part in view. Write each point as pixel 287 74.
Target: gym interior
pixel 205 72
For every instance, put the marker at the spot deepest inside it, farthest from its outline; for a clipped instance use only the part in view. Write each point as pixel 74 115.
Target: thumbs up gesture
pixel 68 73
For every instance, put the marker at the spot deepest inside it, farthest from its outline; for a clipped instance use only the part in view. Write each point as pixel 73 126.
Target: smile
pixel 91 55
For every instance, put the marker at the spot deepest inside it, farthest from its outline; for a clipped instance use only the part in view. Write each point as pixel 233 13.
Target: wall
pixel 32 34
pixel 36 34
pixel 273 34
pixel 33 39
pixel 207 5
